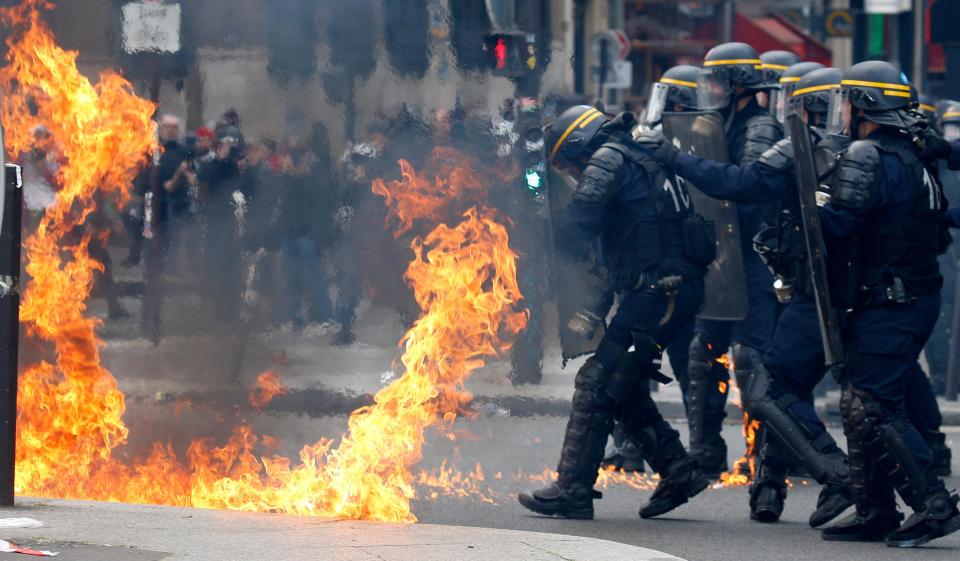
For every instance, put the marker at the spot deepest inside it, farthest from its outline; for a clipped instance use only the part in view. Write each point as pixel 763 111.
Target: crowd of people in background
pixel 279 231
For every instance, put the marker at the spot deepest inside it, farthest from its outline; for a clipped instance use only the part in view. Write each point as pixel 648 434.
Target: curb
pixel 136 532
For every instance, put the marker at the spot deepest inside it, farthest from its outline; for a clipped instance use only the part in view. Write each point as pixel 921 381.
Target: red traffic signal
pixel 509 54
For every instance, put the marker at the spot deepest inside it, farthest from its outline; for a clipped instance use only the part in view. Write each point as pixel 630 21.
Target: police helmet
pixel 571 137
pixel 781 99
pixel 725 68
pixel 875 91
pixel 927 107
pixel 948 121
pixel 774 63
pixel 813 93
pixel 676 90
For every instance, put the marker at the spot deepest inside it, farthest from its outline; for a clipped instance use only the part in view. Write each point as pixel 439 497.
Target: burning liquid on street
pixel 70 424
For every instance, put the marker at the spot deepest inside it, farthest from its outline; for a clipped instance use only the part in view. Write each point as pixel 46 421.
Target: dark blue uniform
pixel 795 357
pixel 882 233
pixel 751 133
pixel 793 363
pixel 657 250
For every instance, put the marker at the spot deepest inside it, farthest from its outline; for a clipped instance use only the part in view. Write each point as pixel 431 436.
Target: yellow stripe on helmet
pixel 582 121
pixel 952 114
pixel 896 94
pixel 885 85
pixel 770 66
pixel 928 107
pixel 789 79
pixel 729 61
pixel 678 82
pixel 813 89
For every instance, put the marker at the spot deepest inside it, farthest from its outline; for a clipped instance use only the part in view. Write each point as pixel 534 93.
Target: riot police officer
pixel 675 91
pixel 782 99
pixel 779 389
pixel 772 66
pixel 657 250
pixel 730 79
pixel 880 216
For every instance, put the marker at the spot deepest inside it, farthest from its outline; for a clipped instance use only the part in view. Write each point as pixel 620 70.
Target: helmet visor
pixel 783 107
pixel 951 131
pixel 839 112
pixel 713 90
pixel 656 104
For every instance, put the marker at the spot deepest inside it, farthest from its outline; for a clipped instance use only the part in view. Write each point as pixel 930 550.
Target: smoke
pixel 278 243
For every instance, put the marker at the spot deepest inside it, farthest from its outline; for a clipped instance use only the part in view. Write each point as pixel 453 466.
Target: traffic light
pixel 530 143
pixel 509 54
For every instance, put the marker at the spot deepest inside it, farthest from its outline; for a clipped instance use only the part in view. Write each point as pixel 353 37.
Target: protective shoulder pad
pixel 603 174
pixel 779 157
pixel 855 176
pixel 609 157
pixel 761 134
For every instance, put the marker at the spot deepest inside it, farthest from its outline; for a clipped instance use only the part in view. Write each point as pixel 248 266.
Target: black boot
pixel 768 493
pixel 833 500
pixel 868 524
pixel 590 423
pixel 575 502
pixel 937 517
pixel 680 479
pixel 942 457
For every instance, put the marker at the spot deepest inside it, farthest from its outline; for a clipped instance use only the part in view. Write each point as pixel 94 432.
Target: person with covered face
pixel 881 210
pixel 657 249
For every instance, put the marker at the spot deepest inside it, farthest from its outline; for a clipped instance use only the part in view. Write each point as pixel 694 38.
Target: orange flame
pixel 268 387
pixel 745 468
pixel 69 425
pixel 726 361
pixel 70 417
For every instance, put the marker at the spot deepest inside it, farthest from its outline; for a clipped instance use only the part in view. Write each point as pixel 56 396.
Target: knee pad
pixel 700 352
pixel 591 376
pixel 860 411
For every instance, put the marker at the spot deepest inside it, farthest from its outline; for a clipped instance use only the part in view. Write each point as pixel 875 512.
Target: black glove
pixel 935 147
pixel 659 147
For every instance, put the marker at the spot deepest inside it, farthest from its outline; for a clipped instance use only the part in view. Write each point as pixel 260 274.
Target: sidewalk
pixel 327 380
pixel 92 531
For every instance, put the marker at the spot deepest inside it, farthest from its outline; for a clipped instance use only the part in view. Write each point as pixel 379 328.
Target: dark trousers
pixel 882 347
pixel 754 331
pixel 641 311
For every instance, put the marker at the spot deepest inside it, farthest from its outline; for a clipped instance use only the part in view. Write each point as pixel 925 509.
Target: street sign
pixel 887 6
pixel 623 41
pixel 151 27
pixel 839 23
pixel 609 51
pixel 621 75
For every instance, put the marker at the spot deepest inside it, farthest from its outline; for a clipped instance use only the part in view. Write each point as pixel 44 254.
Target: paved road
pixel 714 526
pixel 514 451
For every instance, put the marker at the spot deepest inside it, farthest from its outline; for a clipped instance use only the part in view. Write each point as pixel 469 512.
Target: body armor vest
pixel 901 247
pixel 650 229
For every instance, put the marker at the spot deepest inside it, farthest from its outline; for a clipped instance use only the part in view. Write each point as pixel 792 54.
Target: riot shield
pixel 807 182
pixel 582 289
pixel 701 133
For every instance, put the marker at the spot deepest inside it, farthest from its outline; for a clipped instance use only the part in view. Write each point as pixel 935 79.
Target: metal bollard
pixel 11 209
